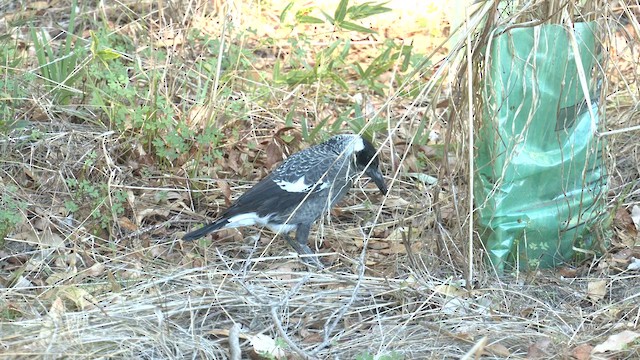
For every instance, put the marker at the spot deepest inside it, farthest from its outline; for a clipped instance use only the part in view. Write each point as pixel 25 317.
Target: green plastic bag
pixel 541 184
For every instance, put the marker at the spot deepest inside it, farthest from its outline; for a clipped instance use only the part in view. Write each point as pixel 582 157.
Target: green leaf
pixel 327 52
pixel 339 80
pixel 341 11
pixel 303 13
pixel 295 77
pixel 406 52
pixel 276 71
pixel 365 10
pixel 337 125
pixel 284 12
pixel 345 50
pixel 305 19
pixel 304 127
pixel 331 20
pixel 347 25
pixel 316 129
pixel 107 54
pixel 94 42
pixel 288 119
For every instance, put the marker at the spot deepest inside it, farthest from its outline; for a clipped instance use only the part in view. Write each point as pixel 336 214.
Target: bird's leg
pixel 301 247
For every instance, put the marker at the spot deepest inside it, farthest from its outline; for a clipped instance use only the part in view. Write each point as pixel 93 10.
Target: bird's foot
pixel 308 256
pixel 312 261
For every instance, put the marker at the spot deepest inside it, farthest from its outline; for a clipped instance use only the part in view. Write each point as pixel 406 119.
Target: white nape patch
pixel 247 219
pixel 299 186
pixel 358 144
pixel 353 144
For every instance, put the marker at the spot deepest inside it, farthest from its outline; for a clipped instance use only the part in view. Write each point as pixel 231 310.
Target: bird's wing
pixel 305 171
pixel 287 186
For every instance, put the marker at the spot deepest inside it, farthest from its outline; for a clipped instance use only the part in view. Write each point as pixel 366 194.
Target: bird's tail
pixel 197 234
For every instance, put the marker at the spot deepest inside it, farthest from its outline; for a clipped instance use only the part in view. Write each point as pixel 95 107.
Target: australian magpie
pixel 305 186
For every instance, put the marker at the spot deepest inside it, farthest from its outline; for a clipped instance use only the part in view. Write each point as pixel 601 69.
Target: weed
pixel 59 68
pixel 329 62
pixel 94 199
pixel 11 214
pixel 368 356
pixel 331 65
pixel 12 89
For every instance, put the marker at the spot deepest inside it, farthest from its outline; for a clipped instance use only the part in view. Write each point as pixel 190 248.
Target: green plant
pixel 12 87
pixel 360 124
pixel 94 199
pixel 341 16
pixel 368 356
pixel 59 68
pixel 333 64
pixel 134 108
pixel 391 54
pixel 11 214
pixel 8 312
pixel 329 62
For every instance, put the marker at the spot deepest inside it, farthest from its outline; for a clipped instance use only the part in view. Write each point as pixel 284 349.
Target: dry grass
pixel 399 289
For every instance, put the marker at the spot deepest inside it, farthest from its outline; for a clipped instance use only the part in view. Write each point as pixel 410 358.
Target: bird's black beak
pixel 375 175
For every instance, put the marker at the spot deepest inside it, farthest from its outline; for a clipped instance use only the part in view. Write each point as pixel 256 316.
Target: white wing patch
pixel 247 219
pixel 299 186
pixel 252 218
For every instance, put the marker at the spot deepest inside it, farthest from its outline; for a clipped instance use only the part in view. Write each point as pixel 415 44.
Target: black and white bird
pixel 301 189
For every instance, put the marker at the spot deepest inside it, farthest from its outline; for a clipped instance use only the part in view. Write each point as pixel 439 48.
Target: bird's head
pixel 366 160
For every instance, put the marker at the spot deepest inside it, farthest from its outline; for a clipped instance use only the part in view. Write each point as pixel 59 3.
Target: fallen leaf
pixel 596 290
pixel 197 116
pixel 274 155
pixel 233 160
pixel 539 350
pixel 38 5
pixel 393 201
pixel 396 234
pixel 127 224
pixel 95 270
pixel 449 290
pixel 262 344
pixel 22 282
pixel 163 197
pixel 623 220
pixel 226 191
pixel 424 178
pixel 50 240
pixel 499 350
pixel 395 247
pixel 169 38
pixel 141 215
pixel 616 342
pixel 80 297
pixel 377 245
pixel 582 352
pixel 57 310
pixel 58 277
pixel 568 272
